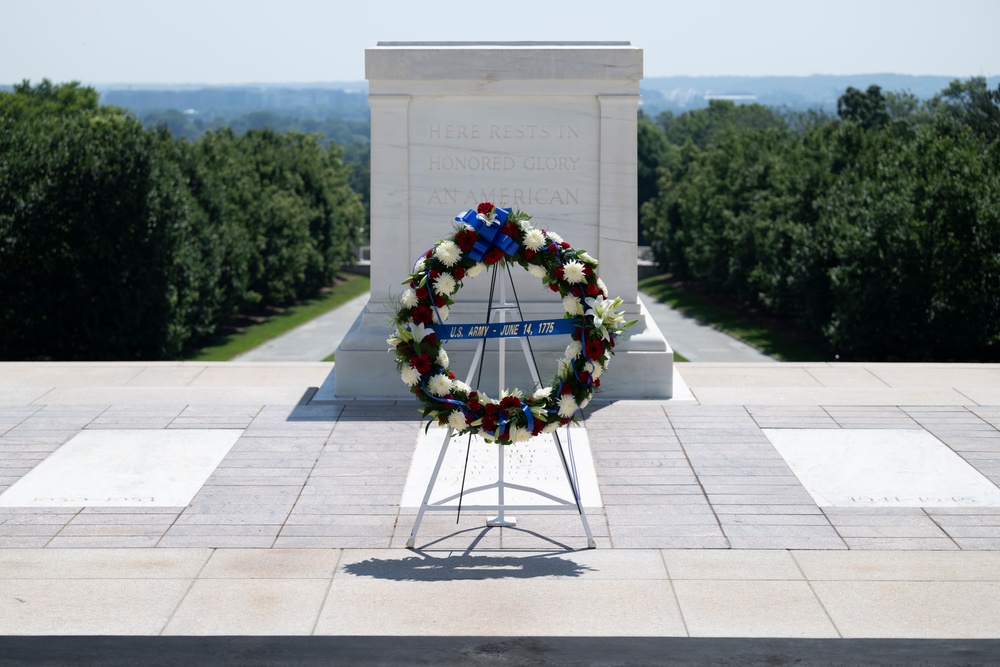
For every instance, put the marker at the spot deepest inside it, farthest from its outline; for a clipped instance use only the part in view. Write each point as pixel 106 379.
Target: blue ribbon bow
pixel 490 235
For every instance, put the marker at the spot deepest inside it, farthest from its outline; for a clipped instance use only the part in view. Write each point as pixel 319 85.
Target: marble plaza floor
pixel 706 525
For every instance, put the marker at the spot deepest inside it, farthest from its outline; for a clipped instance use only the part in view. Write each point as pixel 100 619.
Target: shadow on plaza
pixel 424 566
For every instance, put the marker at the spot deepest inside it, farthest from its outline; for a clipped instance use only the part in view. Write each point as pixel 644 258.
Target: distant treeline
pixel 877 229
pixel 122 242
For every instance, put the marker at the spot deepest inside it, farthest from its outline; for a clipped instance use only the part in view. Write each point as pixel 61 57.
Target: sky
pixel 310 41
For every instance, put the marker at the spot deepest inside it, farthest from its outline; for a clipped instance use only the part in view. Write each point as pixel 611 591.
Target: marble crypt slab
pixel 535 464
pixel 124 468
pixel 881 468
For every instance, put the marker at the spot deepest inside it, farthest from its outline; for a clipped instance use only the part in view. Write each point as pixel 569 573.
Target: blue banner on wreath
pixel 523 329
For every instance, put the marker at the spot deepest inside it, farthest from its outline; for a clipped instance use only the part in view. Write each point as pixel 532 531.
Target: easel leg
pixel 591 544
pixel 430 486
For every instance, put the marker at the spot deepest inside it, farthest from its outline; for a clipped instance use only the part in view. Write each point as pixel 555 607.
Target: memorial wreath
pixel 492 236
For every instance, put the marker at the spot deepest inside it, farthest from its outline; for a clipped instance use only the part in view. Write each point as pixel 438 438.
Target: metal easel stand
pixel 499 314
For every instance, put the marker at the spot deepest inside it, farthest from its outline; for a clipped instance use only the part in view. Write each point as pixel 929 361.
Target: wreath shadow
pixel 424 565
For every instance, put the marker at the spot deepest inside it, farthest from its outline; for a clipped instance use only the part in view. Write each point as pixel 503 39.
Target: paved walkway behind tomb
pixel 704 529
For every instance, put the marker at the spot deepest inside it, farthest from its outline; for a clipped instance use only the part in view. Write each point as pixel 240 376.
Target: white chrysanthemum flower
pixel 443 358
pixel 537 271
pixel 445 284
pixel 534 240
pixel 567 406
pixel 595 370
pixel 601 286
pixel 460 386
pixel 475 269
pixel 542 393
pixel 448 253
pixel 410 375
pixel 440 314
pixel 555 237
pixel 572 305
pixel 551 427
pixel 521 435
pixel 573 272
pixel 409 298
pixel 420 266
pixel 573 350
pixel 457 420
pixel 439 385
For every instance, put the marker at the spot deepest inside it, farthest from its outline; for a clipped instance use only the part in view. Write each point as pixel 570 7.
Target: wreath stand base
pixel 500 313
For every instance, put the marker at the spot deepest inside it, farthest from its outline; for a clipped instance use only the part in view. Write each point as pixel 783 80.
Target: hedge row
pixel 879 230
pixel 118 242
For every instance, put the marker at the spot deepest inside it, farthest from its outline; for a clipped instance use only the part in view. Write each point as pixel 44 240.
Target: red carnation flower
pixel 466 239
pixel 554 287
pixel 511 229
pixel 491 410
pixel 422 314
pixel 422 363
pixel 593 290
pixel 597 382
pixel 492 256
pixel 588 270
pixel 475 405
pixel 529 253
pixel 566 389
pixel 430 339
pixel 440 300
pixel 435 274
pixel 560 272
pixel 459 273
pixel 485 208
pixel 422 293
pixel 565 245
pixel 508 402
pixel 595 350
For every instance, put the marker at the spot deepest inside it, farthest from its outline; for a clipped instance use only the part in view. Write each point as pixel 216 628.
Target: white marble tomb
pixel 549 128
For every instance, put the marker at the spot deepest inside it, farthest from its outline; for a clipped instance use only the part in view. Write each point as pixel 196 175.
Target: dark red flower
pixel 595 349
pixel 466 239
pixel 485 208
pixel 422 363
pixel 492 256
pixel 475 405
pixel 508 402
pixel 565 245
pixel 597 382
pixel 584 378
pixel 422 293
pixel 529 253
pixel 422 314
pixel 491 410
pixel 588 270
pixel 566 389
pixel 431 340
pixel 459 273
pixel 560 272
pixel 554 287
pixel 593 290
pixel 440 300
pixel 511 229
